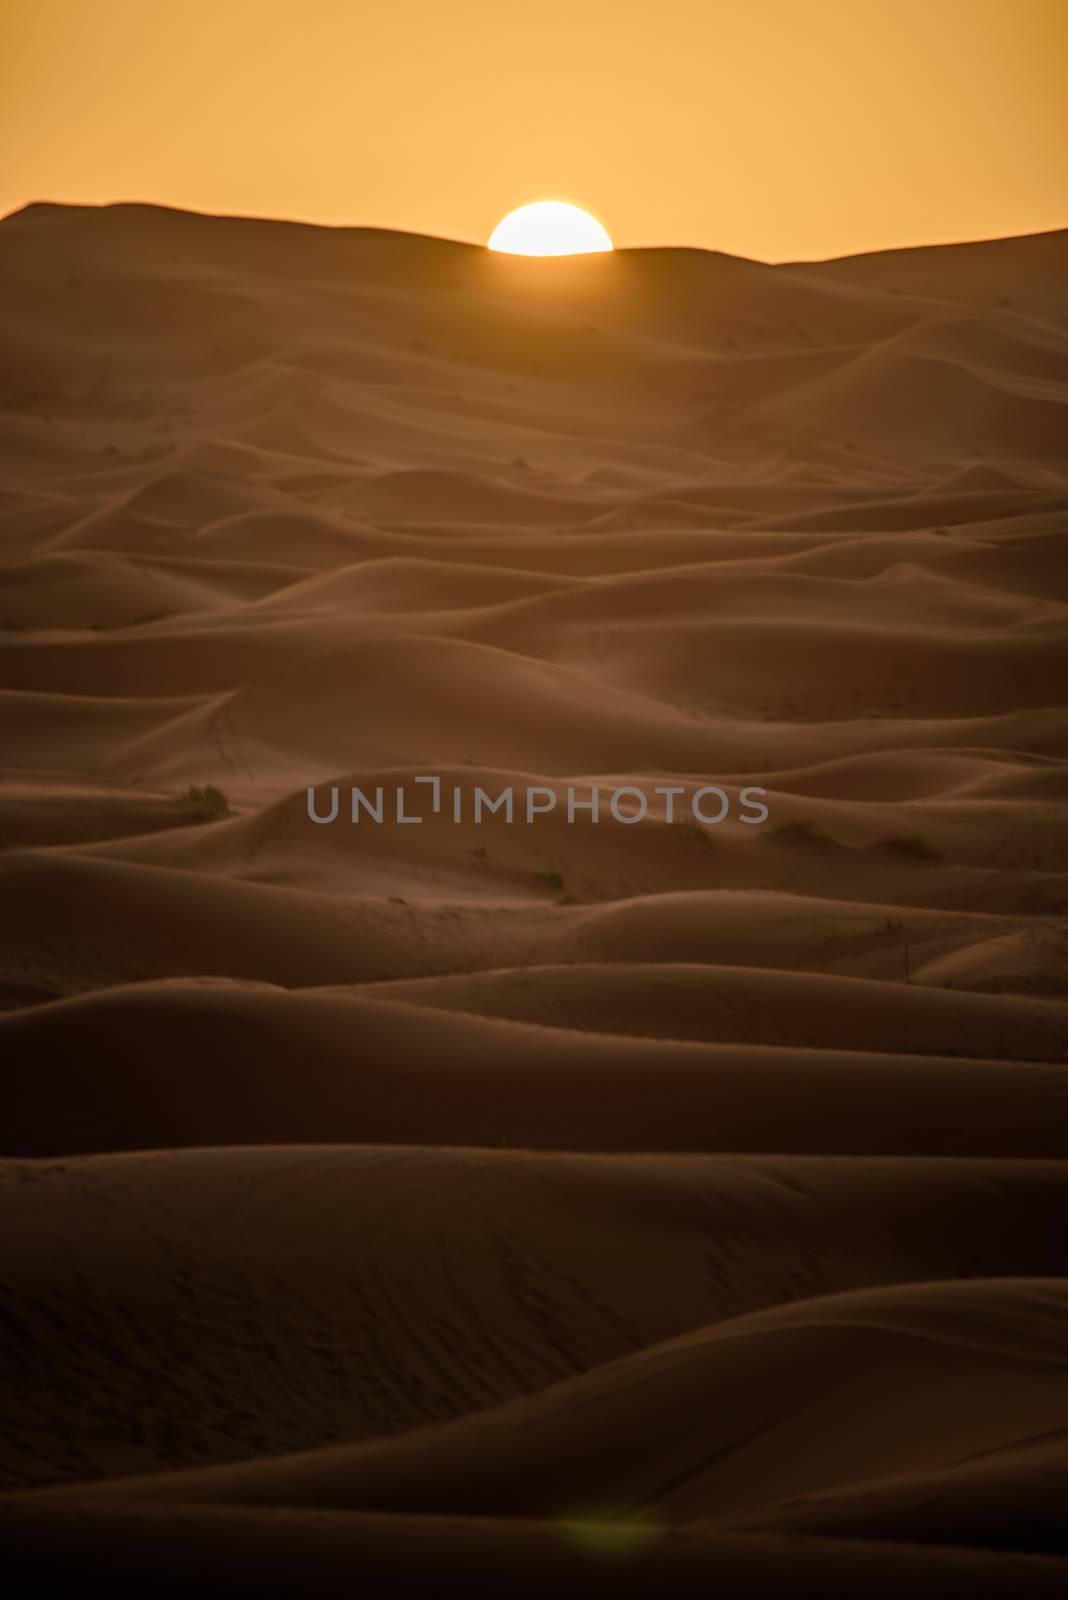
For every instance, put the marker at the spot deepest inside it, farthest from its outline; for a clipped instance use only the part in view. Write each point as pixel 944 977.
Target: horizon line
pixel 474 244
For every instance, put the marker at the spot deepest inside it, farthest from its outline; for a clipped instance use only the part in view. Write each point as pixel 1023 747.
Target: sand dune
pixel 1018 1489
pixel 669 1208
pixel 248 1550
pixel 897 1357
pixel 238 1062
pixel 373 1246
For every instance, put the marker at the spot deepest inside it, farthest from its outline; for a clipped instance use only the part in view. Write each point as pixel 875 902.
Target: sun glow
pixel 549 228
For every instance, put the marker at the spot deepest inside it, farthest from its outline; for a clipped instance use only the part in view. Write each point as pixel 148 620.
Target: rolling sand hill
pixel 548 1207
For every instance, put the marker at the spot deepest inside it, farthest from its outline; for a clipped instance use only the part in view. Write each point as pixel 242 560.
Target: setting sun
pixel 549 228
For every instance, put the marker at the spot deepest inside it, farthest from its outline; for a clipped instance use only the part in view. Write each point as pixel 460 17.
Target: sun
pixel 549 228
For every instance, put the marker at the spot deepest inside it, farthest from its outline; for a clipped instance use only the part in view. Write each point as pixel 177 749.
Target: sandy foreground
pixel 650 1208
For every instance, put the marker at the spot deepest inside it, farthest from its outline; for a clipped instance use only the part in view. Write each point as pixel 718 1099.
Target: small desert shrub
pixel 801 831
pixel 914 846
pixel 207 804
pixel 552 880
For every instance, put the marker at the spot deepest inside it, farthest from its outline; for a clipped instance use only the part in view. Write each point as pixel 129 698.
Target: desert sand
pixel 554 1207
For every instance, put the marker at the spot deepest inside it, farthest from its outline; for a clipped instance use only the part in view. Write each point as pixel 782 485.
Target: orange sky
pixel 774 128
